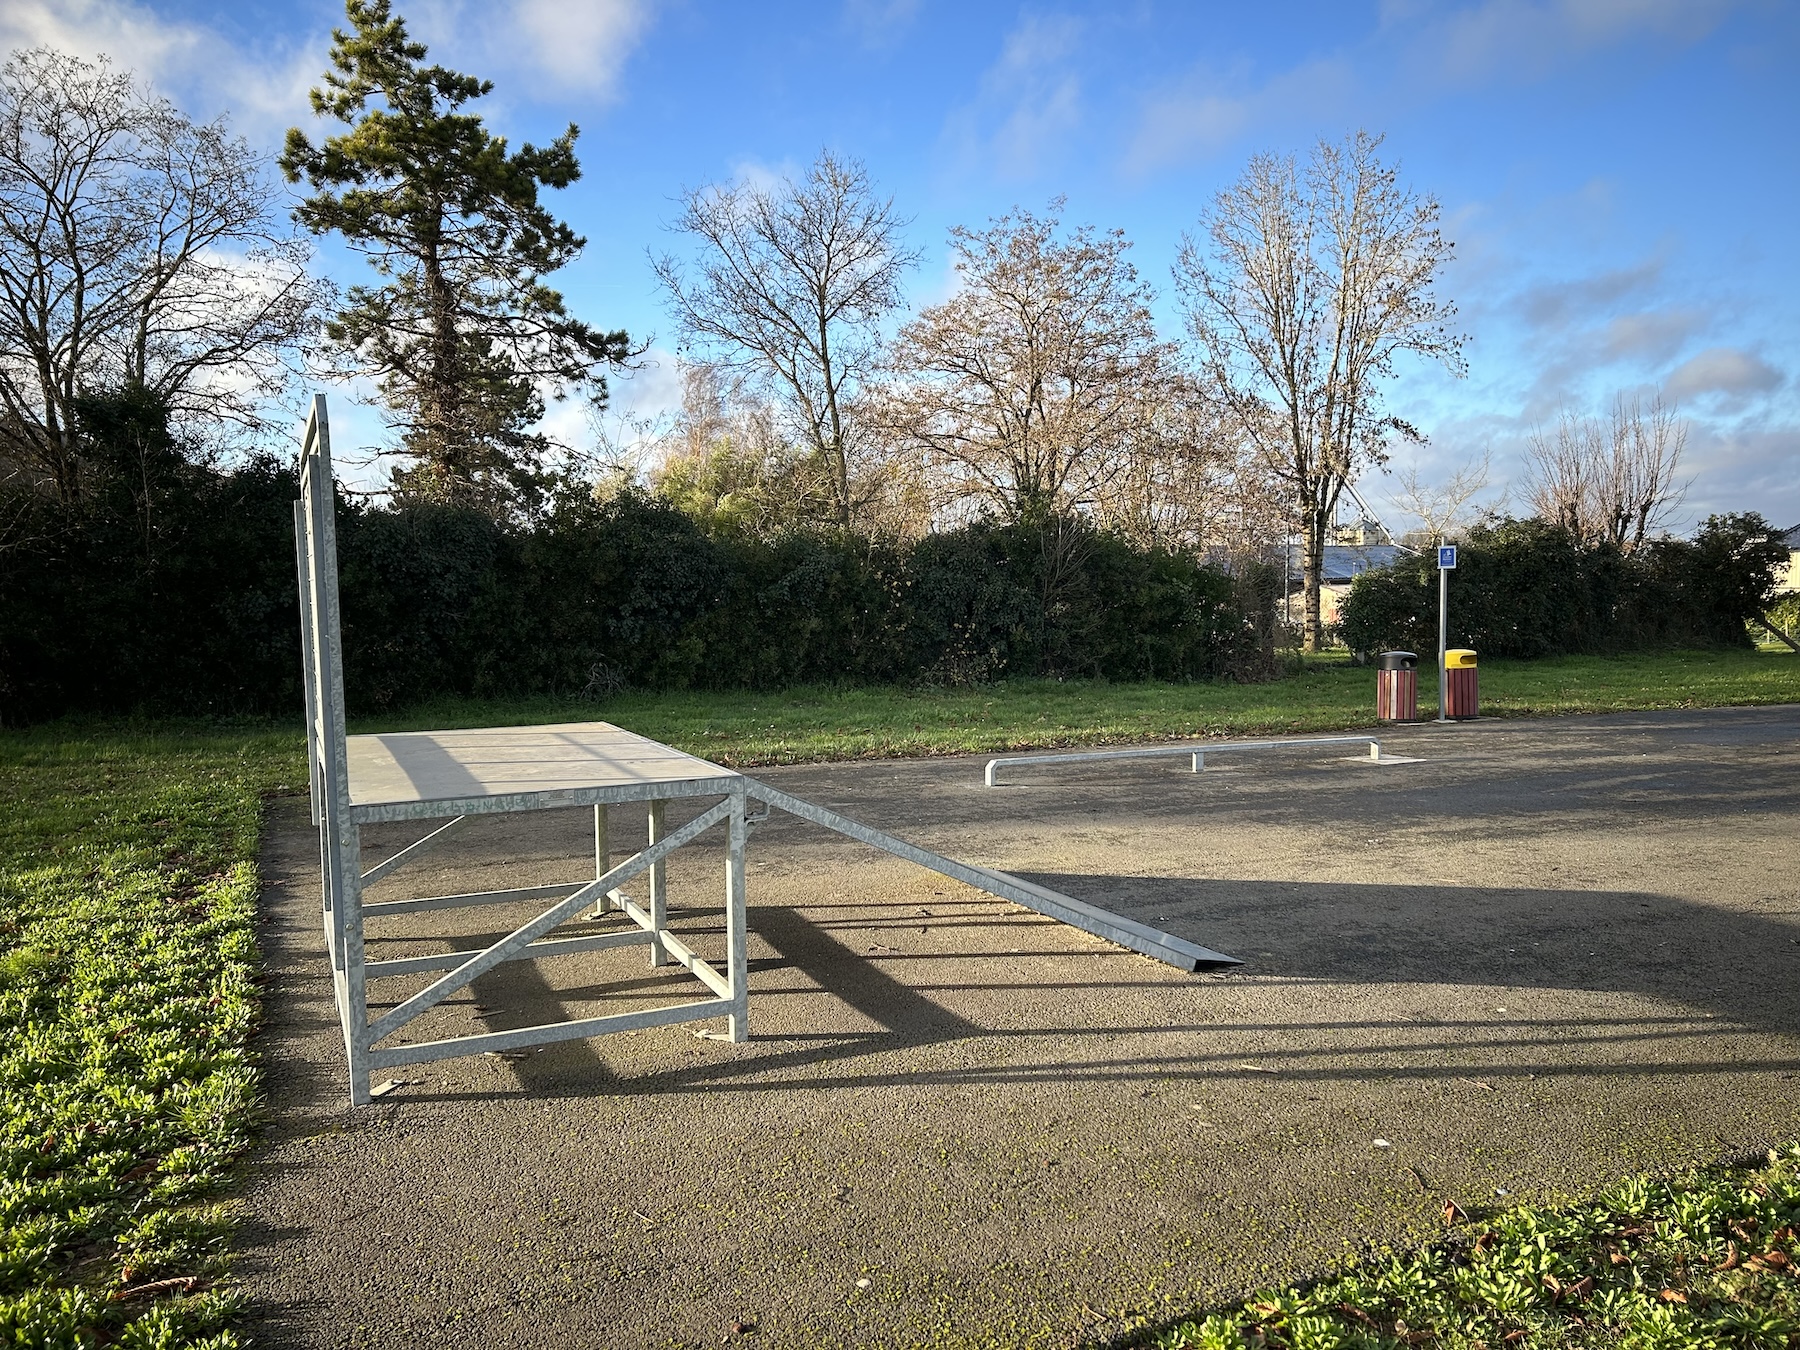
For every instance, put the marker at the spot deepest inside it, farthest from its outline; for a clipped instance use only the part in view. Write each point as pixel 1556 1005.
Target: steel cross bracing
pixel 450 776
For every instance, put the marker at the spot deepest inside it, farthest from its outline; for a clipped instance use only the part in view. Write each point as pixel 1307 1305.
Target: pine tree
pixel 462 337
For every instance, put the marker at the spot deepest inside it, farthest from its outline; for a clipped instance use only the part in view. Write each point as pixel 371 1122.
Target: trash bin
pixel 1462 696
pixel 1397 687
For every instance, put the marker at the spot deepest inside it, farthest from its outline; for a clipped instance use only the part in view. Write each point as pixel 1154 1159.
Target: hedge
pixel 1525 588
pixel 170 588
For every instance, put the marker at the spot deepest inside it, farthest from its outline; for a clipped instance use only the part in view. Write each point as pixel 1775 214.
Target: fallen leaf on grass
pixel 1355 1314
pixel 1672 1296
pixel 1453 1213
pixel 1731 1257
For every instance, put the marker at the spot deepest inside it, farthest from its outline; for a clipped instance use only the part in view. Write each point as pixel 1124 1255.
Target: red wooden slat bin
pixel 1462 689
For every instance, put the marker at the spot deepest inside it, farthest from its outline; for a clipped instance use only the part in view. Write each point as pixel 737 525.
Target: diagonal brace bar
pixel 410 852
pixel 474 969
pixel 1165 947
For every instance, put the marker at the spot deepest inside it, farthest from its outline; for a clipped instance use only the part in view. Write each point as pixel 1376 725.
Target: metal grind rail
pixel 1138 937
pixel 1197 752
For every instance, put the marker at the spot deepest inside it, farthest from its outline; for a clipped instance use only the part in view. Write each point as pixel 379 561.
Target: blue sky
pixel 1619 175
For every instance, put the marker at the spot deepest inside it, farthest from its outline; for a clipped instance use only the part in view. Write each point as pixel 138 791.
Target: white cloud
pixel 1744 469
pixel 879 22
pixel 263 92
pixel 569 46
pixel 581 43
pixel 1722 370
pixel 1517 39
pixel 1029 104
pixel 1209 110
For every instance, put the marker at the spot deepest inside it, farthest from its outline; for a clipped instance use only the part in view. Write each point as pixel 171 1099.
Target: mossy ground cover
pixel 1702 1262
pixel 128 996
pixel 128 999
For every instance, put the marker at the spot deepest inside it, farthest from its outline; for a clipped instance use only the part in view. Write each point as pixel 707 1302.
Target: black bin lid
pixel 1397 661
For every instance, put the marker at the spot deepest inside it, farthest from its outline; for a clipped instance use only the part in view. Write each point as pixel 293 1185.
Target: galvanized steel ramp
pixel 1177 952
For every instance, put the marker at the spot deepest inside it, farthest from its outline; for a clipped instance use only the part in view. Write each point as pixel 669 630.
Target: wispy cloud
pixel 1525 39
pixel 879 23
pixel 1029 104
pixel 1416 50
pixel 1208 111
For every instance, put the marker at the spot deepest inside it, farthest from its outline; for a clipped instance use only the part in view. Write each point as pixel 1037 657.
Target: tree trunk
pixel 1312 573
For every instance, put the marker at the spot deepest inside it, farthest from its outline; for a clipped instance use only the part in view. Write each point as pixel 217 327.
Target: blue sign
pixel 1447 556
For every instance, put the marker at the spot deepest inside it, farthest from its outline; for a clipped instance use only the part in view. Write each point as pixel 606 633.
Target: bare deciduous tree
pixel 792 284
pixel 136 246
pixel 1191 480
pixel 1612 481
pixel 1031 386
pixel 1301 289
pixel 1446 509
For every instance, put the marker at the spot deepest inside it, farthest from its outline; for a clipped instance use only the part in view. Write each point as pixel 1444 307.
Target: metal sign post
pixel 1446 563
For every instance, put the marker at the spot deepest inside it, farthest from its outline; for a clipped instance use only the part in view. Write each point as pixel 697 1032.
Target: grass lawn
pixel 1704 1262
pixel 1327 694
pixel 128 967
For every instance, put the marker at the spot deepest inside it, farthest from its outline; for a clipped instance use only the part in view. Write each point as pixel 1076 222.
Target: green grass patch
pixel 127 1002
pixel 1705 1262
pixel 745 729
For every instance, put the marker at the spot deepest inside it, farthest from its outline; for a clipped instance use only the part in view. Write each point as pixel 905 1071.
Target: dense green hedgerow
pixel 169 587
pixel 1526 588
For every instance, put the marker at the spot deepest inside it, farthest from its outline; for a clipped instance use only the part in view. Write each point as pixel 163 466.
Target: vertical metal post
pixel 602 855
pixel 659 886
pixel 1199 762
pixel 1443 638
pixel 737 965
pixel 356 989
pixel 307 674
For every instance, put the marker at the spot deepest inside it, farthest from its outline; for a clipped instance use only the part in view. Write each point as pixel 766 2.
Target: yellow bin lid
pixel 1458 657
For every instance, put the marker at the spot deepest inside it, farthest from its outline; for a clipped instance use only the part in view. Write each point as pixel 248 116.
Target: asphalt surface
pixel 1550 954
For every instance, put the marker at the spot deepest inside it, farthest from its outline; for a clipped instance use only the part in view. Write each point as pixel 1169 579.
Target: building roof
pixel 1346 561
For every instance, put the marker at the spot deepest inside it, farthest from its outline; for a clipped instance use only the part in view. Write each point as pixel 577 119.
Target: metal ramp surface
pixel 1139 937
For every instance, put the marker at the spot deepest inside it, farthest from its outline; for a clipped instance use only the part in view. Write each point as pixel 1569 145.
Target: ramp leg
pixel 659 888
pixel 602 855
pixel 737 966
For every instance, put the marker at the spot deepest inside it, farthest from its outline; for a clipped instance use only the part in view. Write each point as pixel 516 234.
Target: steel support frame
pixel 340 825
pixel 1197 753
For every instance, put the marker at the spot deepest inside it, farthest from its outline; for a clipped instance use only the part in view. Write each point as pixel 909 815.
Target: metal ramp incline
pixel 1138 937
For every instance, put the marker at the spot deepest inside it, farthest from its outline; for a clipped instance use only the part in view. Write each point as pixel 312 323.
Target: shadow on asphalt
pixel 1593 941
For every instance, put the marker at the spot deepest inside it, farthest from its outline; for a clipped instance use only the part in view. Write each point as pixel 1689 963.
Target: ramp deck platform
pixel 450 776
